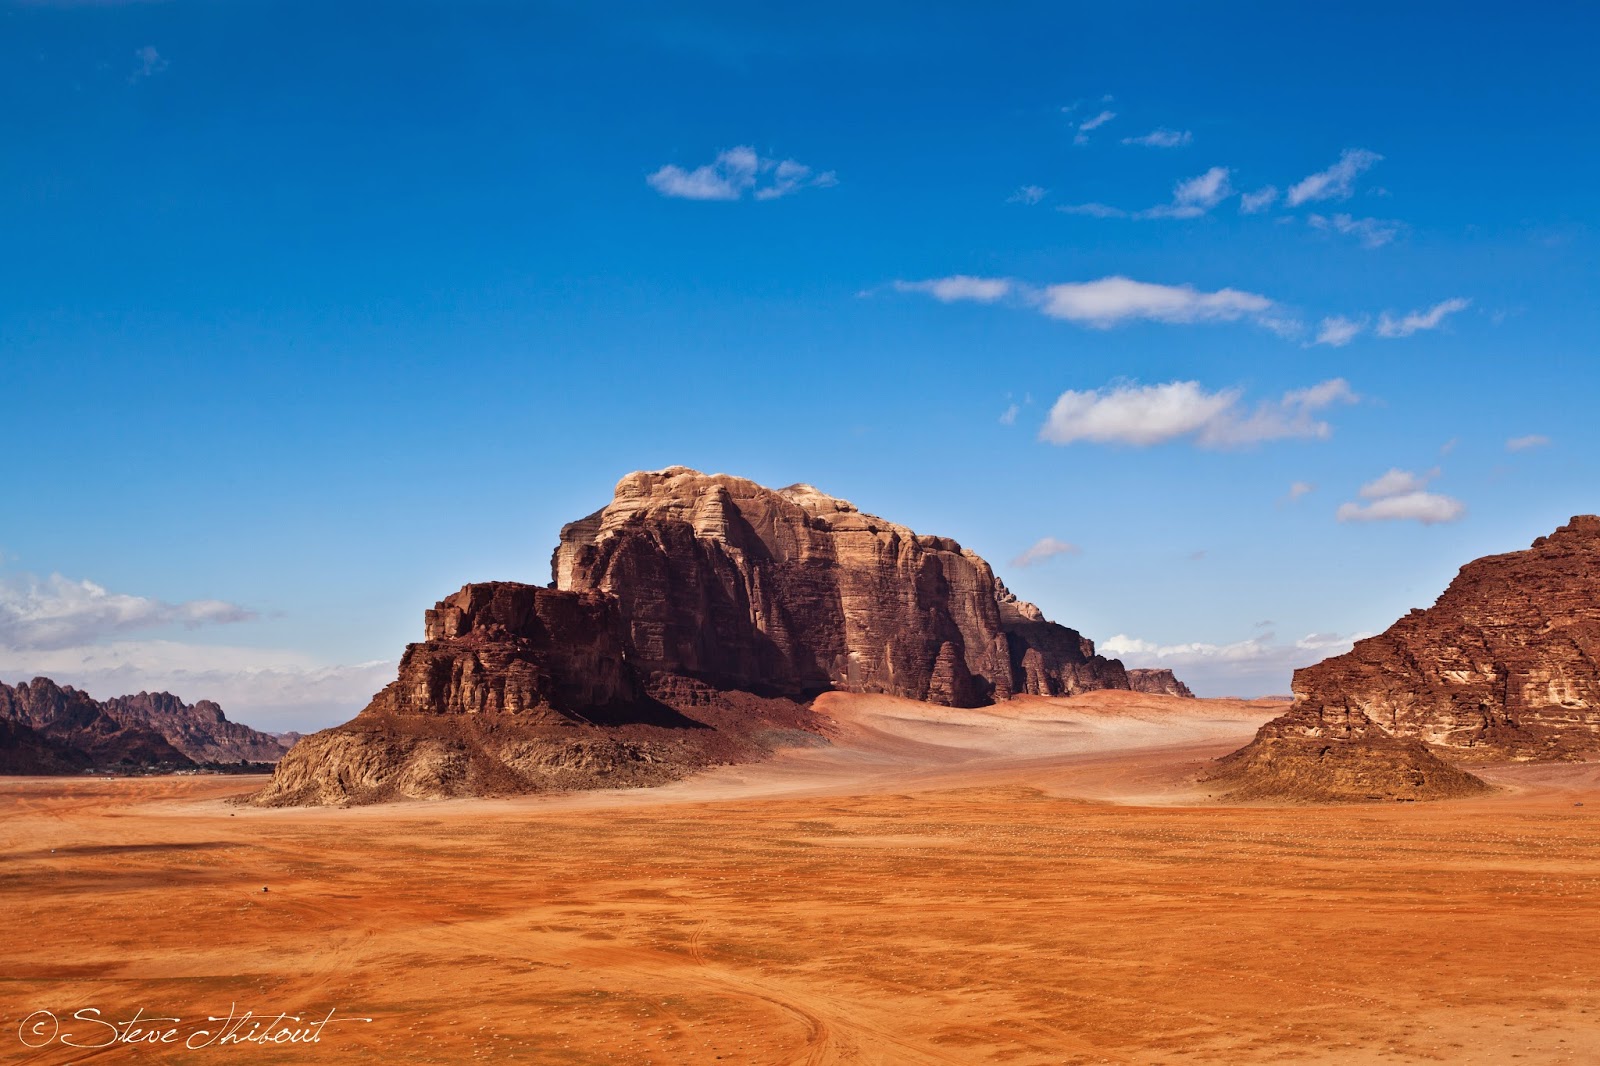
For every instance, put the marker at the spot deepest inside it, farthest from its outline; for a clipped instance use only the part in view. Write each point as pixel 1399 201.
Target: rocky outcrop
pixel 51 729
pixel 1319 756
pixel 199 730
pixel 57 729
pixel 518 688
pixel 1505 665
pixel 688 623
pixel 796 592
pixel 1158 682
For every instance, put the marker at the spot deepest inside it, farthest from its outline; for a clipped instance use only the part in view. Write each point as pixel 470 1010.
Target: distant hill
pixel 46 728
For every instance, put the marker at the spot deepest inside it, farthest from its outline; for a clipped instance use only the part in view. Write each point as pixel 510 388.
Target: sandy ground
pixel 1038 883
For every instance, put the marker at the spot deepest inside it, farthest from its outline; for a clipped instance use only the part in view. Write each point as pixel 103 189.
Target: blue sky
pixel 307 317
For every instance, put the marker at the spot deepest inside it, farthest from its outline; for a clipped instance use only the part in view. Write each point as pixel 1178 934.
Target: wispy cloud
pixel 1089 125
pixel 1108 302
pixel 1253 203
pixel 1415 321
pixel 1008 417
pixel 1191 198
pixel 1335 183
pixel 1371 232
pixel 1144 415
pixel 1161 138
pixel 734 173
pixel 1402 496
pixel 1298 489
pixel 1028 194
pixel 56 611
pixel 1522 444
pixel 1045 548
pixel 150 63
pixel 959 288
pixel 1114 300
pixel 1336 330
pixel 1194 196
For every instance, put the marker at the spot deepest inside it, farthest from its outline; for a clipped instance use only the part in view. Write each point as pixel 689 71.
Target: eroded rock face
pixel 795 591
pixel 1505 665
pixel 1158 682
pixel 689 621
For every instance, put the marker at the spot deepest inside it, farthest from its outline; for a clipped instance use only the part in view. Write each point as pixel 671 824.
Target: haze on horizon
pixel 1226 337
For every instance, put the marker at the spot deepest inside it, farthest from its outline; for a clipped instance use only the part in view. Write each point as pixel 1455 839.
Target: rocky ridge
pixel 1158 682
pixel 46 728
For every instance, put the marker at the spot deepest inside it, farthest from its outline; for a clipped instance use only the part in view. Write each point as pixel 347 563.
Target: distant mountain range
pixel 46 728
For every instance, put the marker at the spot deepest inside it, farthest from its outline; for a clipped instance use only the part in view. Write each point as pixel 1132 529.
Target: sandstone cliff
pixel 1505 665
pixel 795 591
pixel 689 621
pixel 1159 682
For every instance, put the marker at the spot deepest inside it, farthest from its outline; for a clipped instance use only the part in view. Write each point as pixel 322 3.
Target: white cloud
pixel 151 63
pixel 1371 232
pixel 1429 508
pixel 1045 548
pixel 1093 210
pixel 1143 415
pixel 735 172
pixel 1335 183
pixel 1522 444
pixel 1400 495
pixel 1161 138
pixel 1216 669
pixel 1396 482
pixel 1114 300
pixel 1194 196
pixel 960 287
pixel 1028 194
pixel 1298 489
pixel 1008 417
pixel 1337 331
pixel 57 611
pixel 1090 124
pixel 1253 203
pixel 1414 321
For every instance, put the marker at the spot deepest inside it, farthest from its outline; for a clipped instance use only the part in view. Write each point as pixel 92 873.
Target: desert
pixel 1041 883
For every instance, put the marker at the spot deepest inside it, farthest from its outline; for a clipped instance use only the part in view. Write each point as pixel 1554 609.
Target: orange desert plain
pixel 1039 882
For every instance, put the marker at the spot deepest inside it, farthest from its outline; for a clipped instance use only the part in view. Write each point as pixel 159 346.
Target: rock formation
pixel 797 592
pixel 1321 756
pixel 688 622
pixel 49 729
pixel 1505 665
pixel 56 729
pixel 200 730
pixel 1158 682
